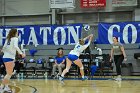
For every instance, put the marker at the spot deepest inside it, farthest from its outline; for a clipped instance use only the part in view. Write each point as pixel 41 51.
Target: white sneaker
pixel 118 79
pixel 14 72
pixel 7 89
pixel 85 78
pixel 61 80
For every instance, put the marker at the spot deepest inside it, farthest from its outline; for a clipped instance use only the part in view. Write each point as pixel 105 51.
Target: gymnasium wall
pixel 0 7
pixel 25 12
pixel 0 12
pixel 25 7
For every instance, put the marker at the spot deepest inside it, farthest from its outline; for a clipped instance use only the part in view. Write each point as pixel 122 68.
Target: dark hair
pixel 116 38
pixel 11 34
pixel 81 41
pixel 61 48
pixel 58 54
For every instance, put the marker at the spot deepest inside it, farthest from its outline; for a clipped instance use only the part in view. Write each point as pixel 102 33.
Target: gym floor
pixel 129 84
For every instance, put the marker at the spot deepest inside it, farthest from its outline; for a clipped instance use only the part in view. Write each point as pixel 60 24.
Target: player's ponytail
pixel 11 34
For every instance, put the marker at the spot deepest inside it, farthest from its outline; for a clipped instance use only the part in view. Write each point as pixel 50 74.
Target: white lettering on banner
pixel 45 34
pixel 63 35
pixel 125 33
pixel 1 34
pixel 69 35
pixel 110 33
pixel 74 33
pixel 20 34
pixel 32 37
pixel 7 31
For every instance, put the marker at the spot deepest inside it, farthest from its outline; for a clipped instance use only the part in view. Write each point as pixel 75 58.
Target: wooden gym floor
pixel 98 85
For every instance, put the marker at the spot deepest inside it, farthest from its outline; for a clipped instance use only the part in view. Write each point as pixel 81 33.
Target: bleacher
pixel 130 49
pixel 44 52
pixel 34 69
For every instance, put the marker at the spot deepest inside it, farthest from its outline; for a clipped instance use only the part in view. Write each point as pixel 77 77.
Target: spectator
pixel 59 62
pixel 118 54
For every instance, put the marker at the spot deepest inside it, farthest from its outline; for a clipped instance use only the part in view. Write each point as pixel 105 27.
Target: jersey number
pixel 78 46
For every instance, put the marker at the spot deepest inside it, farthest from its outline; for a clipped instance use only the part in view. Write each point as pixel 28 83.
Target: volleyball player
pixel 9 49
pixel 73 56
pixel 59 62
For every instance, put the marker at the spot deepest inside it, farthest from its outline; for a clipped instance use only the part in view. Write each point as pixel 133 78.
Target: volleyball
pixel 87 27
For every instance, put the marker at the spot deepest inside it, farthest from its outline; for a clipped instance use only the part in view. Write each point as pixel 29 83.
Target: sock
pixel 62 75
pixel 14 72
pixel 2 86
pixel 83 76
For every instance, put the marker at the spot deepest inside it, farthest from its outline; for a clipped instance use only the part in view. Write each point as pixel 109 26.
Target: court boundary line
pixel 35 89
pixel 17 87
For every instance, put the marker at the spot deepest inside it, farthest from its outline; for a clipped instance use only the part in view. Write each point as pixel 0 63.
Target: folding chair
pixel 39 70
pixel 30 69
pixel 73 71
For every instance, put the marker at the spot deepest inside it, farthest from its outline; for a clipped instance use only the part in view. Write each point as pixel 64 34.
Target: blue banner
pixel 127 32
pixel 44 34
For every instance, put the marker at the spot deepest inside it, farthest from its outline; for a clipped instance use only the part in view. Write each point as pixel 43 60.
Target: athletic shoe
pixel 7 89
pixel 85 78
pixel 61 79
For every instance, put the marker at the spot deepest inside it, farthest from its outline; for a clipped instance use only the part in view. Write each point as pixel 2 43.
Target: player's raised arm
pixel 90 37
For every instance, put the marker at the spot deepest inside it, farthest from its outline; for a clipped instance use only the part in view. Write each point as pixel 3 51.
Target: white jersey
pixel 78 49
pixel 10 48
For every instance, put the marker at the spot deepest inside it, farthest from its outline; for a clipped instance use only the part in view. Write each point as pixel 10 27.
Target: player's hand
pixel 22 62
pixel 23 55
pixel 110 60
pixel 91 35
pixel 125 59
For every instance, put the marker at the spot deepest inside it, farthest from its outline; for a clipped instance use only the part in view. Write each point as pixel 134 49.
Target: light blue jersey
pixel 78 49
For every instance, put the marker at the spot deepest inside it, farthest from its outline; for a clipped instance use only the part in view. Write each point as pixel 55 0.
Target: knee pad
pixel 67 69
pixel 8 76
pixel 81 67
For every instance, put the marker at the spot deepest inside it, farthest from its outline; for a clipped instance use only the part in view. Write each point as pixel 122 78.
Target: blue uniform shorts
pixel 7 59
pixel 72 57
